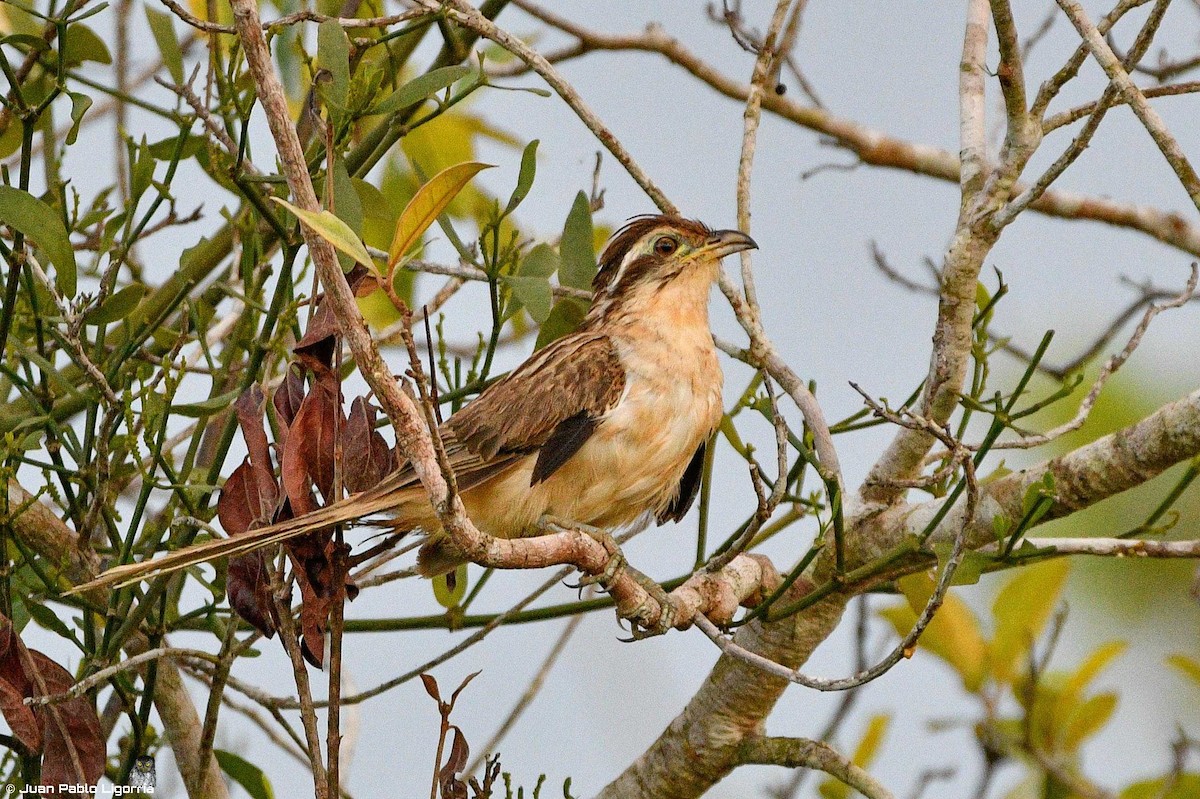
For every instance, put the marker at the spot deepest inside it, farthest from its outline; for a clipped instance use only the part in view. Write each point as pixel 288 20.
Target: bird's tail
pixel 404 497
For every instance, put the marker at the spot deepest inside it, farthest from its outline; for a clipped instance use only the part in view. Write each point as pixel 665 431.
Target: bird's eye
pixel 665 245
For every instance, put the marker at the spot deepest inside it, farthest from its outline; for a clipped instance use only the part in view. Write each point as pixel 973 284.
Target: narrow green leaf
pixel 163 28
pixel 577 250
pixel 245 774
pixel 80 103
pixel 333 54
pixel 118 305
pixel 420 88
pixel 347 205
pixel 49 620
pixel 534 293
pixel 524 177
pixel 427 204
pixel 40 223
pixel 206 407
pixel 334 231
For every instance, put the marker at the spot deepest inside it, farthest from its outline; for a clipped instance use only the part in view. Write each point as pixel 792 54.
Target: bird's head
pixel 651 253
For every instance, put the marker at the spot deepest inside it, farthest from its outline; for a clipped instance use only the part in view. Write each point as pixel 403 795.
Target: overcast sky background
pixel 892 66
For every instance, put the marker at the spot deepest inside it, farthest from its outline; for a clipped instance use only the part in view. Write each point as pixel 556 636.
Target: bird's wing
pixel 689 486
pixel 548 404
pixel 551 404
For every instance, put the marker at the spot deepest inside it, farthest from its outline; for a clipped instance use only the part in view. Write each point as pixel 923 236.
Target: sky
pixel 892 66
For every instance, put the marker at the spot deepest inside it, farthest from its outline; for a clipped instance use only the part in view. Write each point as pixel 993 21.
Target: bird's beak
pixel 727 242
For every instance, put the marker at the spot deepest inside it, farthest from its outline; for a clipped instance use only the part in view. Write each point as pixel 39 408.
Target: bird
pixel 602 427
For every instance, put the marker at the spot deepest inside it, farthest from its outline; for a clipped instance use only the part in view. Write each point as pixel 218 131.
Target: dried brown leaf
pixel 308 455
pixel 449 782
pixel 74 744
pixel 366 457
pixel 431 687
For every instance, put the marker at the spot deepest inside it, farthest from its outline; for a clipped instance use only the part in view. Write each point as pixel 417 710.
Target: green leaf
pixel 420 88
pixel 206 407
pixel 564 318
pixel 970 568
pixel 49 620
pixel 1021 611
pixel 80 103
pixel 163 28
pixel 245 774
pixel 117 306
pixel 333 54
pixel 524 178
pixel 542 261
pixel 82 44
pixel 450 588
pixel 427 204
pixel 534 293
pixel 345 197
pixel 577 249
pixel 40 223
pixel 334 231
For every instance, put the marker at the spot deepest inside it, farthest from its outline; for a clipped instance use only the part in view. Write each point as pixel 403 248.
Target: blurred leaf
pixel 42 224
pixel 205 407
pixel 420 88
pixel 864 754
pixel 953 635
pixel 524 178
pixel 428 203
pixel 1021 611
pixel 333 230
pixel 1082 677
pixel 970 568
pixel 252 779
pixel 47 619
pixel 576 249
pixel 163 28
pixel 1187 665
pixel 346 202
pixel 117 306
pixel 333 54
pixel 1087 719
pixel 450 588
pixel 1183 786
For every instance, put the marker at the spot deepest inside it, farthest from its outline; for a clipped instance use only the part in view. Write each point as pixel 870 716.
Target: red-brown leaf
pixel 248 587
pixel 251 409
pixel 366 457
pixel 308 455
pixel 287 399
pixel 431 687
pixel 74 744
pixel 14 687
pixel 451 786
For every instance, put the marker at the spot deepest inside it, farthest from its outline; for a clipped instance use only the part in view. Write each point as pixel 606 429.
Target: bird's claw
pixel 655 615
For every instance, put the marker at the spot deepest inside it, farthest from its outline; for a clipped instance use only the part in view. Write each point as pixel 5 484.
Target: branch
pixel 803 753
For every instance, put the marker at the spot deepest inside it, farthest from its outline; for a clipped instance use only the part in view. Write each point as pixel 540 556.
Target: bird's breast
pixel 634 461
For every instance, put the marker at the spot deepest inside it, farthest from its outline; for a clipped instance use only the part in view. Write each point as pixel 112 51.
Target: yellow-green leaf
pixel 1072 691
pixel 1185 786
pixel 450 588
pixel 162 27
pixel 1021 611
pixel 1187 665
pixel 864 753
pixel 427 204
pixel 953 635
pixel 334 231
pixel 1087 719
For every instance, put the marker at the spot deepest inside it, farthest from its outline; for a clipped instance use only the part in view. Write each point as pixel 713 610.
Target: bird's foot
pixel 616 562
pixel 655 614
